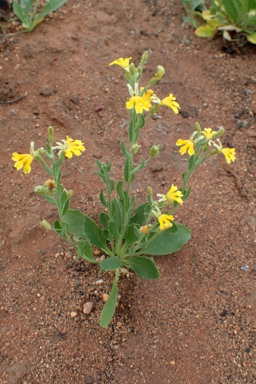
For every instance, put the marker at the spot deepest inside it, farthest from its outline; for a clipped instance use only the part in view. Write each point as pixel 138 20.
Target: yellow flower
pixel 229 153
pixel 174 194
pixel 124 63
pixel 186 145
pixel 140 103
pixel 170 101
pixel 208 133
pixel 23 161
pixel 70 147
pixel 165 221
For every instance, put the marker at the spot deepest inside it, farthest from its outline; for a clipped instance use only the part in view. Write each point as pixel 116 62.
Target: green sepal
pixel 110 263
pixel 108 310
pixel 168 241
pixel 144 267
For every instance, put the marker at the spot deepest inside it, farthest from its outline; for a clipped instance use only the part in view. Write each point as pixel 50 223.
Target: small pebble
pixel 87 307
pixel 73 314
pixel 105 297
pixel 99 281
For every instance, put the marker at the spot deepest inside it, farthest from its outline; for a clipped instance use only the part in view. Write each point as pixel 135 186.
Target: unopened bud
pixel 154 150
pixel 145 229
pixel 149 191
pixel 51 134
pixel 160 71
pixel 218 133
pixel 132 69
pixel 46 225
pixel 144 58
pixel 41 189
pixel 197 127
pixel 69 193
pixel 134 149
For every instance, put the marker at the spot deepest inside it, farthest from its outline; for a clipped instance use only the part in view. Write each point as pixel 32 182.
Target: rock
pixel 87 307
pixel 73 314
pixel 104 297
pixel 88 380
pixel 17 371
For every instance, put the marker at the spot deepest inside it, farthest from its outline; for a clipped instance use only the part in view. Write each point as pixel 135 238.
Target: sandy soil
pixel 196 324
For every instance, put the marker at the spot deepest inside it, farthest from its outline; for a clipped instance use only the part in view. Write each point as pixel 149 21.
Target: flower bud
pixel 154 150
pixel 41 189
pixel 197 127
pixel 134 149
pixel 145 229
pixel 46 225
pixel 144 58
pixel 51 134
pixel 218 133
pixel 149 191
pixel 69 193
pixel 160 71
pixel 132 69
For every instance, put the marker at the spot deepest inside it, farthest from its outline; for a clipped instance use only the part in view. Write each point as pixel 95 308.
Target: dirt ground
pixel 196 323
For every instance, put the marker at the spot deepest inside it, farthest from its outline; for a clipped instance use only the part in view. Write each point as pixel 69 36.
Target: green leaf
pixel 119 190
pixel 81 225
pixel 127 169
pixel 85 251
pixel 130 131
pixel 50 200
pixel 113 229
pixel 168 242
pixel 18 11
pixel 103 199
pixel 130 235
pixel 125 151
pixel 187 193
pixel 140 213
pixel 60 228
pixel 63 202
pixel 144 267
pixel 136 169
pixel 50 6
pixel 108 310
pixel 104 219
pixel 110 263
pixel 140 121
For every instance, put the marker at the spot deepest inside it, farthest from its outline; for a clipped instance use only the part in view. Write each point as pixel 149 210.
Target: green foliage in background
pixel 194 10
pixel 231 17
pixel 27 12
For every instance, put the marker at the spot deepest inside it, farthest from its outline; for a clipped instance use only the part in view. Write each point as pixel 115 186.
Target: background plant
pixel 27 11
pixel 127 233
pixel 231 17
pixel 193 10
